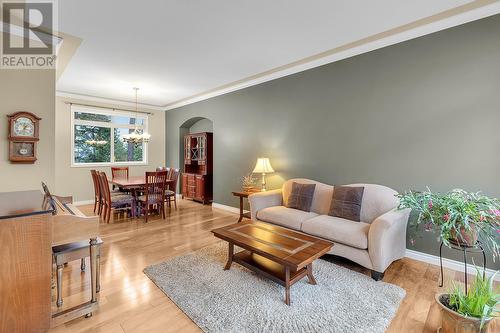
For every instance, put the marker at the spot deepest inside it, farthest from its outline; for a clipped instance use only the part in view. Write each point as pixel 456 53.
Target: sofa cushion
pixel 322 194
pixel 301 196
pixel 346 202
pixel 339 230
pixel 377 200
pixel 287 217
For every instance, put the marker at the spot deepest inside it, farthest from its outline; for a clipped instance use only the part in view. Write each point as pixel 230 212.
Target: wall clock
pixel 23 136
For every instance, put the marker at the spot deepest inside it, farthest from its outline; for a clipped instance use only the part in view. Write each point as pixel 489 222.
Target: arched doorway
pixel 196 158
pixel 192 125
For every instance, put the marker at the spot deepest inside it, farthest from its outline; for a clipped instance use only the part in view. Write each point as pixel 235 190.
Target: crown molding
pixel 103 100
pixel 472 11
pixel 457 16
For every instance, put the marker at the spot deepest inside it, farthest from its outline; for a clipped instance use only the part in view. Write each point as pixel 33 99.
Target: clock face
pixel 23 127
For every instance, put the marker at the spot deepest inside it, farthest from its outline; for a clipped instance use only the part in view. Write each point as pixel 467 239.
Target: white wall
pixel 32 91
pixel 76 181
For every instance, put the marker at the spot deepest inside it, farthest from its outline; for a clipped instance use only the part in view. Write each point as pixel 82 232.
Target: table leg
pixel 241 210
pixel 93 268
pixel 98 273
pixel 59 285
pixel 310 276
pixel 93 272
pixel 133 213
pixel 229 256
pixel 287 285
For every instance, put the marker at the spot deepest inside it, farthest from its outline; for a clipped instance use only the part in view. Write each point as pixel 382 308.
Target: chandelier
pixel 96 142
pixel 137 136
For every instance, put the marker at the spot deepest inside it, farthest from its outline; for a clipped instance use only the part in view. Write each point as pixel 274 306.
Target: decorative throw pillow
pixel 346 202
pixel 301 196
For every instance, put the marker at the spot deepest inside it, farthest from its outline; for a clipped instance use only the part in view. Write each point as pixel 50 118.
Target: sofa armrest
pixel 261 200
pixel 387 238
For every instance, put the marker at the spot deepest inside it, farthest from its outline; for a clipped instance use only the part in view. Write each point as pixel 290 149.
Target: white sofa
pixel 375 242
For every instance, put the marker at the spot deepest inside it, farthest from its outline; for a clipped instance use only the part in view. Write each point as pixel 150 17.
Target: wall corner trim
pixel 454 17
pixel 105 100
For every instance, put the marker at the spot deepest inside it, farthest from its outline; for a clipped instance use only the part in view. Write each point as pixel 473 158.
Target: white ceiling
pixel 172 50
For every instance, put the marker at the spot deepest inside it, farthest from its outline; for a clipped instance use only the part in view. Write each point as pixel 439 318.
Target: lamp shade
pixel 263 166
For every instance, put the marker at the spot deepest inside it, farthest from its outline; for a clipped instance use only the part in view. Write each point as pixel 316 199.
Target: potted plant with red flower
pixel 460 217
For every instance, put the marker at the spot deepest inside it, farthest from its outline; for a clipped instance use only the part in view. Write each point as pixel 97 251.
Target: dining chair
pixel 154 193
pixel 119 172
pixel 172 187
pixel 118 202
pixel 97 192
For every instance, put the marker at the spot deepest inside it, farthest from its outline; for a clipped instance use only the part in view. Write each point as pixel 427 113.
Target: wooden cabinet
pixel 187 149
pixel 200 188
pixel 198 167
pixel 25 263
pixel 184 184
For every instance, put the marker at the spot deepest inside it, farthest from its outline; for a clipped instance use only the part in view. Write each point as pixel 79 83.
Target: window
pixel 97 137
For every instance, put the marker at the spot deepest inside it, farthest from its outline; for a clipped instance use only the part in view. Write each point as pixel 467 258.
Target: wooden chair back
pixel 174 176
pixel 155 186
pixel 95 180
pixel 104 188
pixel 121 172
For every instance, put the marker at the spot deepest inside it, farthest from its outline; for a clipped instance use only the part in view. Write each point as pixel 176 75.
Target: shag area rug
pixel 238 300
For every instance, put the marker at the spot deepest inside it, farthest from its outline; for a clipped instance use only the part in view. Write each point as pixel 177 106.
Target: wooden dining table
pixel 133 184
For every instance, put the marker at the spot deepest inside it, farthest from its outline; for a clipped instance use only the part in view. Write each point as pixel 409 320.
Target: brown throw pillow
pixel 301 196
pixel 346 202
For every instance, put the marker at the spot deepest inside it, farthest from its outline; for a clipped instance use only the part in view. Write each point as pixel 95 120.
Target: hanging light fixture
pixel 96 142
pixel 137 137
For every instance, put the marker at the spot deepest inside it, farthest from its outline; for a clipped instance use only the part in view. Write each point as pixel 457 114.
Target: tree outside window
pixel 98 138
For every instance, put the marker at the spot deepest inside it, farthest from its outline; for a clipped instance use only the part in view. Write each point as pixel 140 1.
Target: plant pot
pixel 454 322
pixel 467 238
pixel 247 188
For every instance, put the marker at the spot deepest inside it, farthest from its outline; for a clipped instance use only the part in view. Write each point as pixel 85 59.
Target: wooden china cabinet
pixel 198 167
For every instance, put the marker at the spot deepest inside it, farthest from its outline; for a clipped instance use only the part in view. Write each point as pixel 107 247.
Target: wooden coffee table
pixel 280 254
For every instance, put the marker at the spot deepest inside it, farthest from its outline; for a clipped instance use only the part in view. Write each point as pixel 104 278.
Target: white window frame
pixel 109 112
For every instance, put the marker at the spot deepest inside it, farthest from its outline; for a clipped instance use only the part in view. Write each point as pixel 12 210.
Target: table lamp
pixel 263 166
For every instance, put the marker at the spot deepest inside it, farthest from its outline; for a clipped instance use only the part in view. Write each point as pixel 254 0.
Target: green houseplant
pixel 471 311
pixel 460 217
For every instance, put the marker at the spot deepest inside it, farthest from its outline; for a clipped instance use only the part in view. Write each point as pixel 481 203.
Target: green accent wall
pixel 425 112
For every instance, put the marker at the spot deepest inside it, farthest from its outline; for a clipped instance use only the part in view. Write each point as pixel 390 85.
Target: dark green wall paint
pixel 425 112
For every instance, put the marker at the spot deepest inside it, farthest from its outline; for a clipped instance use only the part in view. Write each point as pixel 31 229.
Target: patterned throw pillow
pixel 301 196
pixel 346 202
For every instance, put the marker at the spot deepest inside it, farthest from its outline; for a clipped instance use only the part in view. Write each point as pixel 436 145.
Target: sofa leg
pixel 377 276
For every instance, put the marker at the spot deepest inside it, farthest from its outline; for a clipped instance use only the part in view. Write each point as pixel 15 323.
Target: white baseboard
pixel 447 263
pixel 83 202
pixel 227 208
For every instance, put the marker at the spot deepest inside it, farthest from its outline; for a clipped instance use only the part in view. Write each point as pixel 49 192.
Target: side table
pixel 241 195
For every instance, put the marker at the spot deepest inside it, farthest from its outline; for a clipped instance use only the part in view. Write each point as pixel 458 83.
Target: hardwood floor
pixel 130 302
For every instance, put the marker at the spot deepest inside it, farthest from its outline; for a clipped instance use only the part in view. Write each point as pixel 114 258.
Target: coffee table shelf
pixel 267 268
